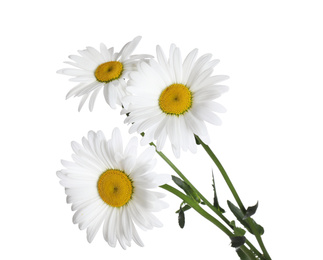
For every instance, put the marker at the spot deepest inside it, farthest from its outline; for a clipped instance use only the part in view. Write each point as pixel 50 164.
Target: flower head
pixel 174 99
pixel 102 69
pixel 109 185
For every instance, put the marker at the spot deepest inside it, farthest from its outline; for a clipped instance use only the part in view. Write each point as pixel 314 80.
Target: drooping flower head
pixel 102 69
pixel 174 99
pixel 109 185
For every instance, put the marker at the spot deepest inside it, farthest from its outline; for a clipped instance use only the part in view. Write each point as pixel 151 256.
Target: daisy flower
pixel 102 69
pixel 109 185
pixel 174 99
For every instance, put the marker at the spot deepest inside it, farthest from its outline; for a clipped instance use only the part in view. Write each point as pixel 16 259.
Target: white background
pixel 270 142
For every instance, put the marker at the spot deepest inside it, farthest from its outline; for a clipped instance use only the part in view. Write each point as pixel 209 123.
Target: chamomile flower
pixel 111 186
pixel 102 69
pixel 174 99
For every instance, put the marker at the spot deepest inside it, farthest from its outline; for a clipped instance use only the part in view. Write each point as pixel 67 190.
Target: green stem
pixel 205 214
pixel 235 195
pixel 223 172
pixel 258 237
pixel 215 210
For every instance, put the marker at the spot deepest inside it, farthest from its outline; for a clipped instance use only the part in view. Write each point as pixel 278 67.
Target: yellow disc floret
pixel 176 99
pixel 115 188
pixel 108 71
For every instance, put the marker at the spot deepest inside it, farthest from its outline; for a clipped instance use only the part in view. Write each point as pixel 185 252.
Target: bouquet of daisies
pixel 164 99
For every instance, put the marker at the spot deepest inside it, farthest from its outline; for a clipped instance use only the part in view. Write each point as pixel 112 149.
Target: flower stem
pixel 224 174
pixel 180 174
pixel 209 217
pixel 235 195
pixel 197 207
pixel 215 210
pixel 259 239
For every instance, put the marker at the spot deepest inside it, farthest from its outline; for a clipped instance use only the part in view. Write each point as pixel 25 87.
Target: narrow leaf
pixel 215 199
pixel 250 211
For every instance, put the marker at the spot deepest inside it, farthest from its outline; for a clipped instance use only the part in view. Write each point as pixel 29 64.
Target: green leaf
pixel 188 190
pixel 215 199
pixel 237 241
pixel 181 218
pixel 251 211
pixel 239 215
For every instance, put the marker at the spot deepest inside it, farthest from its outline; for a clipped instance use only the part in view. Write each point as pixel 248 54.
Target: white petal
pixel 84 98
pixel 197 126
pixel 83 213
pixel 107 55
pixel 135 236
pixel 93 229
pixel 131 148
pixel 116 141
pixel 74 91
pixel 147 155
pixel 109 228
pixel 93 97
pixel 92 216
pixel 196 84
pixel 90 86
pixel 84 63
pixel 162 60
pixel 96 55
pixel 110 95
pixel 178 65
pixel 126 223
pixel 187 65
pixel 75 72
pixel 129 48
pixel 198 65
pixel 207 116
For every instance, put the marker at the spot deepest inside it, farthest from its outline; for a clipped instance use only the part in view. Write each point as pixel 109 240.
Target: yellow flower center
pixel 115 188
pixel 108 71
pixel 176 99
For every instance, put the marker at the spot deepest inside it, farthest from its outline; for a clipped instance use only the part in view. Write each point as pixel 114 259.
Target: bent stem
pixel 215 210
pixel 235 195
